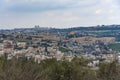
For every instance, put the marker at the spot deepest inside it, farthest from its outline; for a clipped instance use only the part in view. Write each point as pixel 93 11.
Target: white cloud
pixel 98 11
pixel 108 1
pixel 111 11
pixel 57 13
pixel 112 17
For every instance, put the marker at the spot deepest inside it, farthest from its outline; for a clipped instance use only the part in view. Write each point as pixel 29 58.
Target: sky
pixel 58 13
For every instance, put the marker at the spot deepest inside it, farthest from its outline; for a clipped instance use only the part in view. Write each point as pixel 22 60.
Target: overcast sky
pixel 58 13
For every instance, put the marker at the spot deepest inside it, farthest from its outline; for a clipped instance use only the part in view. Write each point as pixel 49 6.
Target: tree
pixel 109 71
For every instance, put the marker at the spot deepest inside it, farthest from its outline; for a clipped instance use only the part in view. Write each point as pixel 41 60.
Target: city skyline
pixel 58 14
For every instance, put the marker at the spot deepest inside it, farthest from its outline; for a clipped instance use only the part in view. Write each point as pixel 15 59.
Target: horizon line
pixel 61 27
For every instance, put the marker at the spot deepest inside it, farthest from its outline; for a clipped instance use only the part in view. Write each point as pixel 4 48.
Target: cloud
pixel 58 13
pixel 45 5
pixel 98 11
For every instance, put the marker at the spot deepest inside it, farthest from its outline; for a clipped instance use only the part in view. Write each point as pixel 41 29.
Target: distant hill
pixel 54 30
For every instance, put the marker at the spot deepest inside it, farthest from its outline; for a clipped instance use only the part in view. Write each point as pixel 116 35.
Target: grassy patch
pixel 62 49
pixel 115 46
